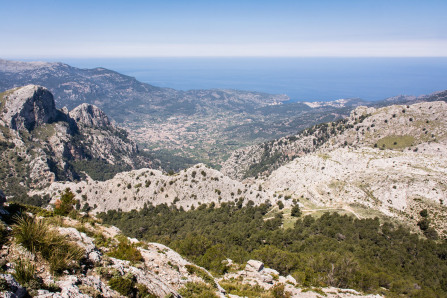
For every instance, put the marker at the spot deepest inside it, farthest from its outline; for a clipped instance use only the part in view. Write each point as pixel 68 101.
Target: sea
pixel 302 79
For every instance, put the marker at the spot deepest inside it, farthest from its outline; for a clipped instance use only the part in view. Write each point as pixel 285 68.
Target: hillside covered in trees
pixel 332 250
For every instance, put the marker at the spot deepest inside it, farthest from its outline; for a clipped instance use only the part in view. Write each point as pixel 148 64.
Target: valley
pixel 196 125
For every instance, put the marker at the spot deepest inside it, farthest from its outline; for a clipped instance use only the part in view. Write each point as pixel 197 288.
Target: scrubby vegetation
pixel 198 290
pixel 36 236
pixel 126 251
pixel 332 250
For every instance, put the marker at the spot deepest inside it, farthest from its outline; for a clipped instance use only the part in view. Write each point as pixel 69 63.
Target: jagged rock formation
pixel 89 115
pixel 28 107
pixel 132 190
pixel 42 144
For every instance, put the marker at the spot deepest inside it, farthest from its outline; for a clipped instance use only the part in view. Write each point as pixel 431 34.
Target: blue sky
pixel 54 29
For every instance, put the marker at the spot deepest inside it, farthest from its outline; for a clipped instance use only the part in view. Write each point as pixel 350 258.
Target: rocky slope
pixel 159 271
pixel 132 190
pixel 42 144
pixel 398 184
pixel 405 125
pixel 391 159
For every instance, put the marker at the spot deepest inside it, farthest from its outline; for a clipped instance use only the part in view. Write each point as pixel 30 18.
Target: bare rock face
pixel 28 107
pixel 89 115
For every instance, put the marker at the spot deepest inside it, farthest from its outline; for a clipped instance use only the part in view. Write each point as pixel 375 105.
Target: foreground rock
pixel 160 272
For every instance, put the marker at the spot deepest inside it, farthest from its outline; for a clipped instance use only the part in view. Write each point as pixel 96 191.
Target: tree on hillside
pixel 296 212
pixel 64 205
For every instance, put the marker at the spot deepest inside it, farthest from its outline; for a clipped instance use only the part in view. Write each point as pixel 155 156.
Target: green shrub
pixel 197 290
pixel 192 269
pixel 143 291
pixel 124 286
pixel 296 212
pixel 278 291
pixel 30 232
pixel 126 251
pixel 242 290
pixel 106 272
pixel 65 205
pixel 424 224
pixel 90 291
pixel 280 205
pixel 62 255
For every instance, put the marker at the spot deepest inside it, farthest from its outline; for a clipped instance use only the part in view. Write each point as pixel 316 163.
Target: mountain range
pixel 196 125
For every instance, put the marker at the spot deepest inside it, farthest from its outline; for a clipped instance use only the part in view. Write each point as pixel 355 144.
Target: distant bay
pixel 300 78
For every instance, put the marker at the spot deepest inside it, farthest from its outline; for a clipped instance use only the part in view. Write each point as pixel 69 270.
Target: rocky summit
pixel 28 107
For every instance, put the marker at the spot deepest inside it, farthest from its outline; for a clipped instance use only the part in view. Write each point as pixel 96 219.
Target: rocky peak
pixel 28 107
pixel 89 115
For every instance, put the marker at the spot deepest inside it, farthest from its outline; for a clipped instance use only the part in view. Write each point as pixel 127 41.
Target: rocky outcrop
pixel 89 115
pixel 161 271
pixel 83 241
pixel 255 274
pixel 28 107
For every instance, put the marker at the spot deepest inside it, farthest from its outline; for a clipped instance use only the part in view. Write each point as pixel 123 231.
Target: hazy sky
pixel 63 28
